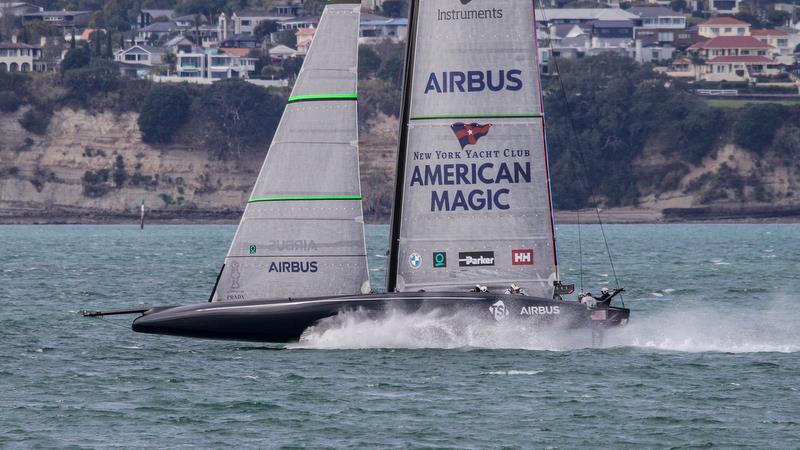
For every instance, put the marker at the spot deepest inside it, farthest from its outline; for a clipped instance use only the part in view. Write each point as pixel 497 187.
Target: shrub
pixel 100 78
pixel 95 183
pixel 36 120
pixel 119 174
pixel 165 109
pixel 756 125
pixel 75 58
pixel 9 101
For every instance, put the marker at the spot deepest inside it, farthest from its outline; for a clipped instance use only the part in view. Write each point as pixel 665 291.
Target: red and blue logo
pixel 469 133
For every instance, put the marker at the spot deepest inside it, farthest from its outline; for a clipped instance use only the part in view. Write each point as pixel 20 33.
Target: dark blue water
pixel 710 358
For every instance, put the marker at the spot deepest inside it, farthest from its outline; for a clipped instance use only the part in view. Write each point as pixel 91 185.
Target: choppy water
pixel 711 357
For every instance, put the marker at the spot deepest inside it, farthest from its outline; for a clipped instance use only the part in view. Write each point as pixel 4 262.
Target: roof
pixel 310 31
pixel 731 42
pixel 147 48
pixel 723 20
pixel 653 11
pixel 190 18
pixel 160 27
pixel 549 14
pixel 768 33
pixel 282 50
pixel 612 24
pixel 682 61
pixel 564 29
pixel 16 45
pixel 258 13
pixel 746 59
pixel 240 52
pixel 176 40
pixel 57 13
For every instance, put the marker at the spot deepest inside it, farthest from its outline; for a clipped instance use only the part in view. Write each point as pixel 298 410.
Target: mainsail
pixel 302 232
pixel 473 200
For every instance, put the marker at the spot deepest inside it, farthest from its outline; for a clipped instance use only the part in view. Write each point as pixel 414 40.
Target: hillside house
pixel 18 57
pixel 139 60
pixel 783 42
pixel 658 17
pixel 304 38
pixel 723 26
pixel 148 16
pixel 724 6
pixel 65 19
pixel 735 58
pixel 374 29
pixel 18 8
pixel 555 16
pixel 214 65
pixel 245 22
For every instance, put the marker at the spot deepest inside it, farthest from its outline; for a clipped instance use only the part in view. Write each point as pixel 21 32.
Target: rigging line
pixel 584 166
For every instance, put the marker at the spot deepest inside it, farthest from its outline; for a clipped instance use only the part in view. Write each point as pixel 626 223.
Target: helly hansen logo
pixel 522 257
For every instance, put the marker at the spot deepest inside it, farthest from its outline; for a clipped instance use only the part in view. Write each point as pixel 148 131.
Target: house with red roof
pixel 783 41
pixel 735 58
pixel 723 26
pixel 18 57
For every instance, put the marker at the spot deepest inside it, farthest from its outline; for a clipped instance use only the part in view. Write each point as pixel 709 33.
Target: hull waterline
pixel 285 320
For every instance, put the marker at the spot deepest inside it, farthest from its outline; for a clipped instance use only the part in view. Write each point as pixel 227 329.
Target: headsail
pixel 302 232
pixel 473 194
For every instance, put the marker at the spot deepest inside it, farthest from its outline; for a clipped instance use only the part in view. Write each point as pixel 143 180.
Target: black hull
pixel 285 320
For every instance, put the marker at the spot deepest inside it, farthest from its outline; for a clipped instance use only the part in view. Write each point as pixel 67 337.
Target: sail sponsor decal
pixel 540 310
pixel 415 260
pixel 475 259
pixel 498 310
pixel 522 257
pixel 469 133
pixel 306 245
pixel 253 249
pixel 235 292
pixel 439 259
pixel 447 15
pixel 474 81
pixel 294 267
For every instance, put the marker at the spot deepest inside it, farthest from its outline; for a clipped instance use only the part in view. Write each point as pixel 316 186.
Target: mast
pixel 397 206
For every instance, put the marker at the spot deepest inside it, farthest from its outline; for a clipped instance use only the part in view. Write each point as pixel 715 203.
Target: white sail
pixel 302 232
pixel 473 188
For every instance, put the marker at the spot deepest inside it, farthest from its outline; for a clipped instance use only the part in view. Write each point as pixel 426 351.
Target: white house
pixel 144 55
pixel 214 65
pixel 723 26
pixel 374 29
pixel 18 57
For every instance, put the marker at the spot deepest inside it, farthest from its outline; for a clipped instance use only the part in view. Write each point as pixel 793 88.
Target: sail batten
pixel 302 231
pixel 473 186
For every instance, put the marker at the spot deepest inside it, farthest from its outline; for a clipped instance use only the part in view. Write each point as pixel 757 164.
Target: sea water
pixel 711 356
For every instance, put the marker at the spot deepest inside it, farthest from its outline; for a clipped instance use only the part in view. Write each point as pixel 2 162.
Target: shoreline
pixel 77 216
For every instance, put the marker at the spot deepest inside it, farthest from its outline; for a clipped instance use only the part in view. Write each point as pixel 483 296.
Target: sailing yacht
pixel 472 213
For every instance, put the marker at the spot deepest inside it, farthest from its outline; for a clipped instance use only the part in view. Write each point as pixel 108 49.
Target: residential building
pixel 723 26
pixel 783 42
pixel 724 6
pixel 304 38
pixel 18 57
pixel 655 17
pixel 18 8
pixel 735 58
pixel 652 53
pixel 281 52
pixel 245 22
pixel 612 29
pixel 178 44
pixel 683 68
pixel 190 20
pixel 139 60
pixel 297 23
pixel 71 19
pixel 240 44
pixel 732 46
pixel 374 29
pixel 554 16
pixel 679 38
pixel 156 31
pixel 214 64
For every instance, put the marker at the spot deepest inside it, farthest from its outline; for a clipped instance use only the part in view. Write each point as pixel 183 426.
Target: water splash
pixel 764 327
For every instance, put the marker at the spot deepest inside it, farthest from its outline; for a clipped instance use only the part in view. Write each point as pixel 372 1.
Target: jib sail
pixel 473 194
pixel 302 232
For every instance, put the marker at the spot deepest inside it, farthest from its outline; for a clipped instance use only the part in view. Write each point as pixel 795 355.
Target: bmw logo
pixel 414 260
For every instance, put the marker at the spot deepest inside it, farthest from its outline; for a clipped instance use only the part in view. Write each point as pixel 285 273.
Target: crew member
pixel 588 300
pixel 479 288
pixel 514 289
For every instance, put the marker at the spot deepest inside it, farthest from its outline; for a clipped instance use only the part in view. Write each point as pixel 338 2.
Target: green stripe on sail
pixel 302 198
pixel 475 116
pixel 299 98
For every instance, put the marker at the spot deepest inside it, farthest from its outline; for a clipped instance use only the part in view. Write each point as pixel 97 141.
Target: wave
pixel 764 327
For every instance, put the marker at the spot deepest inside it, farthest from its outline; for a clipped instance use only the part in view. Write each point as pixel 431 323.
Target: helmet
pixel 483 289
pixel 514 286
pixel 604 290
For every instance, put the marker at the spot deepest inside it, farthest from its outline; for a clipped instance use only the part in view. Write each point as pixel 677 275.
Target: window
pixel 678 21
pixel 684 36
pixel 783 42
pixel 130 57
pixel 246 23
pixel 728 29
pixel 654 54
pixel 666 36
pixel 740 31
pixel 715 30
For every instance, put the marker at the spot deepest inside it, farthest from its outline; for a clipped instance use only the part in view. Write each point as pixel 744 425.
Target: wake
pixel 770 327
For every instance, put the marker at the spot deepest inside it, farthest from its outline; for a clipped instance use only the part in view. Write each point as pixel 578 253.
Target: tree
pixel 264 29
pixel 313 7
pixel 75 58
pixel 109 47
pixel 291 67
pixel 678 5
pixel 239 115
pixel 287 38
pixel 96 38
pixel 394 8
pixel 165 109
pixel 72 40
pixel 368 62
pixel 171 61
pixel 778 18
pixel 756 125
pixel 100 77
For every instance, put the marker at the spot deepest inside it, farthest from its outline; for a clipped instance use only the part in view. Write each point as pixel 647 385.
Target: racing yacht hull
pixel 285 320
